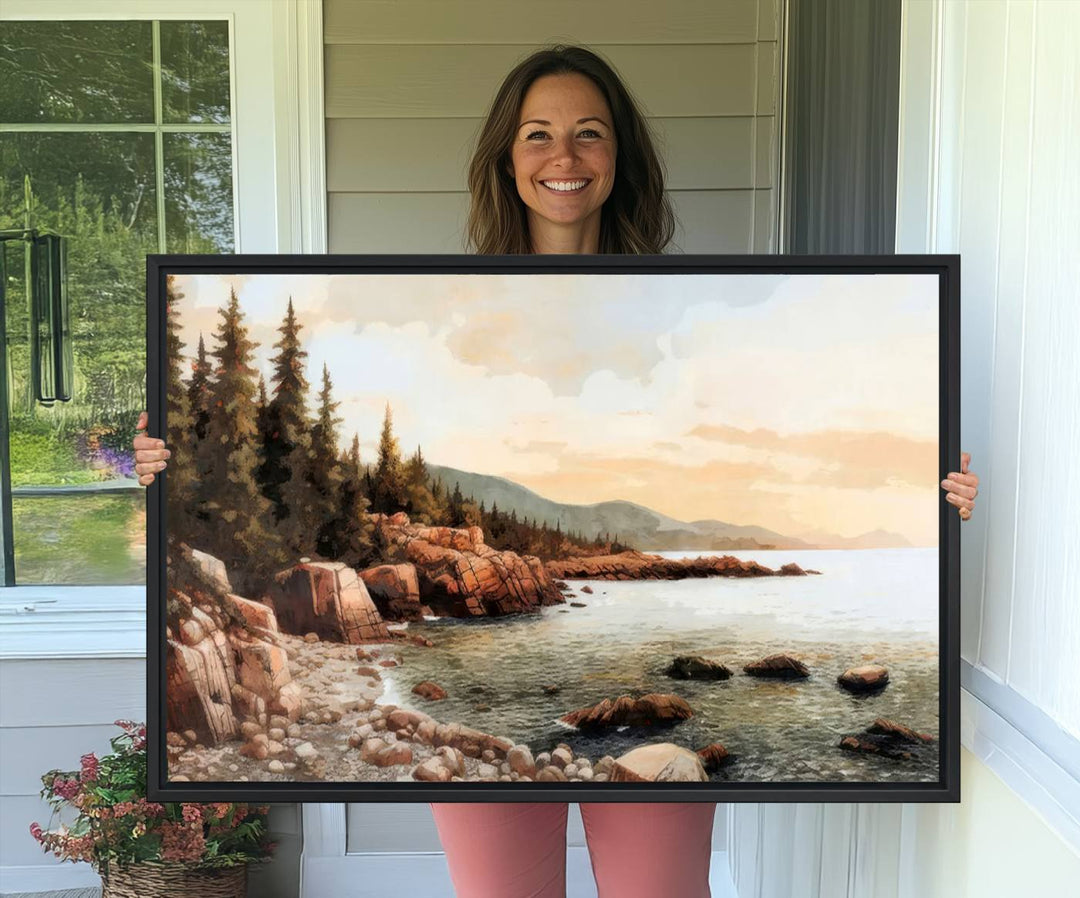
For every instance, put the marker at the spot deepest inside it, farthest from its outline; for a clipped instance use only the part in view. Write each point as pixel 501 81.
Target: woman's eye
pixel 533 134
pixel 590 131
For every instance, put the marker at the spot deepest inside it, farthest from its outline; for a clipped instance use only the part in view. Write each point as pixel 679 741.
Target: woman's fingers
pixel 144 419
pixel 959 501
pixel 146 479
pixel 149 455
pixel 963 489
pixel 149 467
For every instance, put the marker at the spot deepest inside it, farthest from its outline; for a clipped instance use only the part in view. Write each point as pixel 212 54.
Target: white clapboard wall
pixel 408 83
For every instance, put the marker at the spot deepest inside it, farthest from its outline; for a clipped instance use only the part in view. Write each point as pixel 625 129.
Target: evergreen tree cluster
pixel 259 480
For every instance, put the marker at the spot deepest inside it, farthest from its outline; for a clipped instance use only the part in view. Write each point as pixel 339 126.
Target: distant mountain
pixel 642 527
pixel 875 539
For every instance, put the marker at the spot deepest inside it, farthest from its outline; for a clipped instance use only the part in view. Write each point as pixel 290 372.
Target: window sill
pixel 42 622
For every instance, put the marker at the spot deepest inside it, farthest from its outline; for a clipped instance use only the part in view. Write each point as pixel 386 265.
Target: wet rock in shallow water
pixel 792 570
pixel 713 756
pixel 885 727
pixel 433 692
pixel 660 763
pixel 367 671
pixel 551 688
pixel 481 707
pixel 694 667
pixel 578 605
pixel 778 666
pixel 587 590
pixel 654 709
pixel 889 739
pixel 865 678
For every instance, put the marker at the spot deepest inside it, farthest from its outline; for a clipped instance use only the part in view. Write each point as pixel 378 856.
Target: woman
pixel 565 164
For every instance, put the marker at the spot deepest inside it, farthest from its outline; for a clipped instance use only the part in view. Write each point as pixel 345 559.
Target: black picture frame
pixel 947 789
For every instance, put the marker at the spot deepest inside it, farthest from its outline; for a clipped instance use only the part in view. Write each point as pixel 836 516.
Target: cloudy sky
pixel 797 403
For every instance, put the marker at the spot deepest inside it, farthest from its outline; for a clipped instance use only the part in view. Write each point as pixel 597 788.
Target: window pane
pixel 198 193
pixel 81 540
pixel 76 72
pixel 98 191
pixel 195 71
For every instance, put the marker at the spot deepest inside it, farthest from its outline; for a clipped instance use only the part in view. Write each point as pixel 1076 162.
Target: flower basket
pixel 148 849
pixel 173 880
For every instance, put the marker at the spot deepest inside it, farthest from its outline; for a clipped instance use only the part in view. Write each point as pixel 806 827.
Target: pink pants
pixel 647 850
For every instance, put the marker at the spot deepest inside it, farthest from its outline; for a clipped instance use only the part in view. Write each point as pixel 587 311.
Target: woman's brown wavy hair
pixel 637 216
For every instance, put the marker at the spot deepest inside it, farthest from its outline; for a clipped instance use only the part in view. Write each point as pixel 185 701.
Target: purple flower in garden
pixel 119 462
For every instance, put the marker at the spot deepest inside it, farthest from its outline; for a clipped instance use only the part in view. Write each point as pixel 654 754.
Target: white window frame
pixel 279 203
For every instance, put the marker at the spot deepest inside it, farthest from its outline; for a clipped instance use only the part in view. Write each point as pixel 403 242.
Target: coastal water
pixel 868 606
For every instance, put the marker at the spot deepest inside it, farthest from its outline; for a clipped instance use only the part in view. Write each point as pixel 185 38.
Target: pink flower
pixel 65 788
pixel 181 842
pixel 89 767
pixel 192 813
pixel 36 832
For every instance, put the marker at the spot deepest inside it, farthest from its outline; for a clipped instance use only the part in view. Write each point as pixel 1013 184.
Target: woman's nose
pixel 564 149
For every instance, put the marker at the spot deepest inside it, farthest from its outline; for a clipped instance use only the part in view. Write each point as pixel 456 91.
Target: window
pixel 118 136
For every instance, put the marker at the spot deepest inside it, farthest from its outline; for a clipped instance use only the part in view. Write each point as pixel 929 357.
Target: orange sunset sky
pixel 797 403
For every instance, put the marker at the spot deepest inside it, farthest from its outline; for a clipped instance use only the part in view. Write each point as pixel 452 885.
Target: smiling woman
pixel 561 117
pixel 564 165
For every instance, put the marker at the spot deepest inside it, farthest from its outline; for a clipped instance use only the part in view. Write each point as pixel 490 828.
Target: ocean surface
pixel 870 606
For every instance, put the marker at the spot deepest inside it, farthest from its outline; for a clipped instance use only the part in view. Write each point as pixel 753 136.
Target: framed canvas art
pixel 568 528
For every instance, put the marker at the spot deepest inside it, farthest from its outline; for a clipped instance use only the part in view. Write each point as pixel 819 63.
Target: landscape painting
pixel 546 532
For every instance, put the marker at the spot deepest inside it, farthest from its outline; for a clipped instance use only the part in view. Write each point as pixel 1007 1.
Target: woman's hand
pixel 962 488
pixel 150 454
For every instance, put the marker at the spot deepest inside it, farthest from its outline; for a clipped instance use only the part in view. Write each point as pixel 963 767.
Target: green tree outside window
pixel 118 136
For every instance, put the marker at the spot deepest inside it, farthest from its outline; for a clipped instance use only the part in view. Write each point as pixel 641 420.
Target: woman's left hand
pixel 962 487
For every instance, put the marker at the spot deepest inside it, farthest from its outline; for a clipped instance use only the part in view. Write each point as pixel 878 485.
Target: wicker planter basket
pixel 172 880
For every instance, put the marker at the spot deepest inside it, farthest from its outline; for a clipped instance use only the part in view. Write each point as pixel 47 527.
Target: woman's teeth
pixel 564 186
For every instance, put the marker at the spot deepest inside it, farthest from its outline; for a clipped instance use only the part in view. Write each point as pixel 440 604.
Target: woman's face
pixel 563 154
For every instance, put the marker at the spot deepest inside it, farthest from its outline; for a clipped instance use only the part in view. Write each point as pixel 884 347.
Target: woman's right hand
pixel 150 454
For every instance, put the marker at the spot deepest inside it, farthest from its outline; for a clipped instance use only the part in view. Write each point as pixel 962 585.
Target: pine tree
pixel 326 475
pixel 179 432
pixel 420 500
pixel 353 532
pixel 285 431
pixel 228 494
pixel 457 503
pixel 198 391
pixel 390 494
